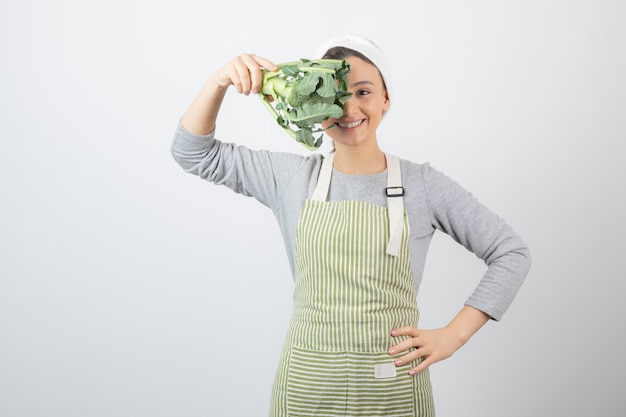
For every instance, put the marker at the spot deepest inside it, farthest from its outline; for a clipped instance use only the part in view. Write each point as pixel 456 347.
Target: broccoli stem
pixel 275 114
pixel 305 68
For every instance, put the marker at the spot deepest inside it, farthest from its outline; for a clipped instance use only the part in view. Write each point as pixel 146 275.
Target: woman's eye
pixel 363 92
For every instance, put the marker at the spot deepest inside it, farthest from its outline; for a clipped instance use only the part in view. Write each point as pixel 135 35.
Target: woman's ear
pixel 386 102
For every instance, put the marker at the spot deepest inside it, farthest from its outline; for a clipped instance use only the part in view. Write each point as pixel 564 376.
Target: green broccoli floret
pixel 298 100
pixel 305 93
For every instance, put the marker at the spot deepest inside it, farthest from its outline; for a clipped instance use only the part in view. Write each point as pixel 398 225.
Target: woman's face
pixel 364 110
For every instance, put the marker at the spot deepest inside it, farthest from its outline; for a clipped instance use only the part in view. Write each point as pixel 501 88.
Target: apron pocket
pixel 316 383
pixel 374 392
pixel 345 384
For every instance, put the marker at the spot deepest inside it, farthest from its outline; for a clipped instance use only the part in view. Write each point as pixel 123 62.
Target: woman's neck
pixel 359 161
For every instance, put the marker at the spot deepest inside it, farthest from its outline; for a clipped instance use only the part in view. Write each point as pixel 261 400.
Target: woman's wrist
pixel 201 115
pixel 466 323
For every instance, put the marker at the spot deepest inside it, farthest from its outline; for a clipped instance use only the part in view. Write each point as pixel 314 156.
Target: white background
pixel 129 288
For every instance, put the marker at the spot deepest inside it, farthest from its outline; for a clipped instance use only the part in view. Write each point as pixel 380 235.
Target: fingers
pixel 423 365
pixel 424 346
pixel 422 356
pixel 245 72
pixel 411 356
pixel 407 344
pixel 418 349
pixel 242 66
pixel 265 63
pixel 404 346
pixel 405 331
pixel 411 345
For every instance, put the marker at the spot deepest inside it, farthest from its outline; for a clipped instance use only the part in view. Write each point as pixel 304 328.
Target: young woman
pixel 357 224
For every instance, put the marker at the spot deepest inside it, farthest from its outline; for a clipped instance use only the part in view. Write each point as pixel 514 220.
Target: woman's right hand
pixel 244 72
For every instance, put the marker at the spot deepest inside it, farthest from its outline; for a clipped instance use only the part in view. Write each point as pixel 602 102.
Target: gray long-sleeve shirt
pixel 284 181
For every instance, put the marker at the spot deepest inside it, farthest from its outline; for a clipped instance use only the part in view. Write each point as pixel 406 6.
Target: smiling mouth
pixel 350 125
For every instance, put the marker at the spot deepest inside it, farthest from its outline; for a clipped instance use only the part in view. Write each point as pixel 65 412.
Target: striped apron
pixel 349 293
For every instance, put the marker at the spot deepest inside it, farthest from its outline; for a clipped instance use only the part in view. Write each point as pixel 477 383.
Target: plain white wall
pixel 129 288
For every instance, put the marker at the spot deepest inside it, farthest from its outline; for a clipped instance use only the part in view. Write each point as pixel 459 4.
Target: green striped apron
pixel 353 284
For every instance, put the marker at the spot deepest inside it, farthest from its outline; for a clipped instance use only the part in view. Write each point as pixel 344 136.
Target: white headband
pixel 365 47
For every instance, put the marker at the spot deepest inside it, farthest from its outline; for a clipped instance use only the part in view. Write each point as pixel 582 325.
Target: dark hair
pixel 341 52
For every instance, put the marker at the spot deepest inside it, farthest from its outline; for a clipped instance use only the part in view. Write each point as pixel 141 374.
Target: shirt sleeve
pixel 253 173
pixel 458 213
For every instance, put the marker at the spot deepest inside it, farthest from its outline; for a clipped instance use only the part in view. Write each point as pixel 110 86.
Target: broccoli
pixel 305 93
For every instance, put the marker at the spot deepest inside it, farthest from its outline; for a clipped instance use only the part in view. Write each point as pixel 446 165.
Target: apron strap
pixel 323 181
pixel 394 193
pixel 395 204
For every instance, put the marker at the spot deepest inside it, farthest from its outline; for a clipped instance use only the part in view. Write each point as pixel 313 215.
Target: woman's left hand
pixel 438 344
pixel 431 345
